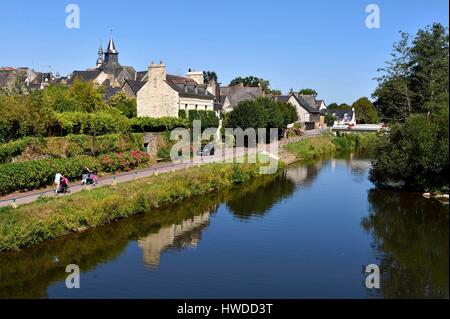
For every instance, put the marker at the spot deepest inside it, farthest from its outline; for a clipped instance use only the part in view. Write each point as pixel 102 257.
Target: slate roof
pixel 281 98
pixel 319 103
pixel 237 94
pixel 85 75
pixel 140 75
pixel 308 102
pixel 111 91
pixel 188 87
pixel 135 86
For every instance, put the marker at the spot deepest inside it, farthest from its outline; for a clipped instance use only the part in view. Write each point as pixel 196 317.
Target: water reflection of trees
pixel 28 273
pixel 265 193
pixel 411 237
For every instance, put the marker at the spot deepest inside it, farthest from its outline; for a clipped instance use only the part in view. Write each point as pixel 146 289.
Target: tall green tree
pixel 125 105
pixel 247 114
pixel 415 80
pixel 429 57
pixel 366 113
pixel 261 113
pixel 87 98
pixel 415 155
pixel 394 94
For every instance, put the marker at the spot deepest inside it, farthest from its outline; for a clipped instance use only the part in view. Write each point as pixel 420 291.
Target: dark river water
pixel 305 233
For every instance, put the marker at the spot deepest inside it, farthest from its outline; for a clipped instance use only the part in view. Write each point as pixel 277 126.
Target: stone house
pixel 27 79
pixel 307 111
pixel 165 95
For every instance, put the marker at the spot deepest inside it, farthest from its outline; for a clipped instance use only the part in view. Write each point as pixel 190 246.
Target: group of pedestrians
pixel 62 183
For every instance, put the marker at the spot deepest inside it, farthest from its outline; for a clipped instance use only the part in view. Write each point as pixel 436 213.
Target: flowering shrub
pixel 26 176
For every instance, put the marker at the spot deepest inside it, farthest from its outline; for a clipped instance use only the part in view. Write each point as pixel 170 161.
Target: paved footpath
pixel 30 197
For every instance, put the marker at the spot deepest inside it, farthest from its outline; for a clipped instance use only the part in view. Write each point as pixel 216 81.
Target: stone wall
pixel 157 98
pixel 153 141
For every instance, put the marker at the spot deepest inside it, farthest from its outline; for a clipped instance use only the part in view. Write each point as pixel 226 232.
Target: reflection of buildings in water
pixel 186 234
pixel 303 174
pixel 358 166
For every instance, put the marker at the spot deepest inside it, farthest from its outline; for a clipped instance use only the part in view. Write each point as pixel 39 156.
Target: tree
pixel 262 113
pixel 366 112
pixel 412 158
pixel 247 114
pixel 59 99
pixel 414 91
pixel 429 56
pixel 415 80
pixel 308 92
pixel 394 93
pixel 209 76
pixel 125 105
pixel 332 106
pixel 344 106
pixel 276 92
pixel 252 81
pixel 86 97
pixel 329 119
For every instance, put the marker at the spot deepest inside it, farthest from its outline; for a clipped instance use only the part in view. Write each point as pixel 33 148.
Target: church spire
pixel 111 61
pixel 100 56
pixel 111 46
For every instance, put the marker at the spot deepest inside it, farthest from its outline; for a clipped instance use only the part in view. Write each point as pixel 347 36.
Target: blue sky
pixel 322 44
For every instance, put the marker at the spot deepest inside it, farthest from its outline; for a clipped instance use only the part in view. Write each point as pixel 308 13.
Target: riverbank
pixel 326 144
pixel 50 218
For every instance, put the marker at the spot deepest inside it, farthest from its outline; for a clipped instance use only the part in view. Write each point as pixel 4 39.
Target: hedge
pixel 87 123
pixel 12 149
pixel 26 176
pixel 72 145
pixel 149 124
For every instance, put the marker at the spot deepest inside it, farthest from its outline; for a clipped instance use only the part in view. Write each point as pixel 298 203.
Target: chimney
pixel 206 89
pixel 196 88
pixel 212 87
pixel 196 76
pixel 185 87
pixel 156 73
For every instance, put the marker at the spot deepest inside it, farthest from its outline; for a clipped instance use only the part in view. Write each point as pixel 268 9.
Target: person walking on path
pixel 86 173
pixel 57 181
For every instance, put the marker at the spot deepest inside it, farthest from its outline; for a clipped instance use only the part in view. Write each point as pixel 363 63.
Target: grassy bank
pixel 316 147
pixel 51 218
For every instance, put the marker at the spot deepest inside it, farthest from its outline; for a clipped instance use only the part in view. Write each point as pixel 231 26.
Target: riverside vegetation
pixel 51 218
pixel 413 93
pixel 316 147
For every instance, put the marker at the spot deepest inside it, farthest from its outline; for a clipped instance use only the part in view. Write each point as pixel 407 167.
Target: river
pixel 306 233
